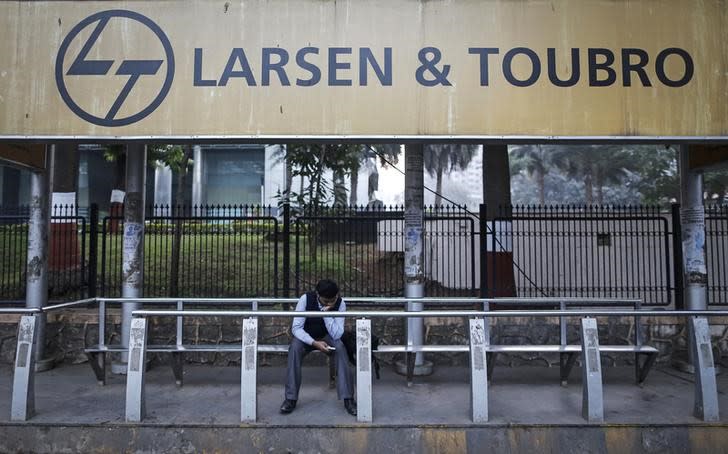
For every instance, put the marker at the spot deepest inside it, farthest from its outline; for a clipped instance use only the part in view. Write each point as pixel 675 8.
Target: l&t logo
pixel 111 112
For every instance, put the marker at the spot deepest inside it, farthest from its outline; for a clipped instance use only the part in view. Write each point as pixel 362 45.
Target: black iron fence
pixel 363 250
pixel 67 253
pixel 228 251
pixel 716 233
pixel 609 252
pixel 210 251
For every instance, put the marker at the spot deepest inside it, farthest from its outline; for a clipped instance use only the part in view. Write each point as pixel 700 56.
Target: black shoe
pixel 350 405
pixel 288 406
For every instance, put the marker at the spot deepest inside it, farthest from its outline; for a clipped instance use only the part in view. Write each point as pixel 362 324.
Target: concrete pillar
pixel 132 277
pixel 414 251
pixel 36 293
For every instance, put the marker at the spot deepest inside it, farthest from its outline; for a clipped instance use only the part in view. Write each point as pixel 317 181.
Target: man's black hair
pixel 327 288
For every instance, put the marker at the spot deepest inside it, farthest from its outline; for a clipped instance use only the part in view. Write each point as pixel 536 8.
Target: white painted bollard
pixel 706 393
pixel 364 370
pixel 249 371
pixel 23 404
pixel 478 370
pixel 135 405
pixel 592 406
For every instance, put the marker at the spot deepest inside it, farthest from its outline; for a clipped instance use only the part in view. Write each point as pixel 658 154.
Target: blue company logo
pixel 134 69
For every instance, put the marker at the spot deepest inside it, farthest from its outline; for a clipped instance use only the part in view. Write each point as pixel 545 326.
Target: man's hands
pixel 320 345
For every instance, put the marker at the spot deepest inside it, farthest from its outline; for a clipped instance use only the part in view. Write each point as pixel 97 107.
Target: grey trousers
pixel 344 377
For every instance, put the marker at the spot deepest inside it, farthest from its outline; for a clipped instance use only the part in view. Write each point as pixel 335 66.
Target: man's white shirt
pixel 334 325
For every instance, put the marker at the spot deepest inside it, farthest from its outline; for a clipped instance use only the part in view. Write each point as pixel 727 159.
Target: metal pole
pixel 414 259
pixel 36 293
pixel 692 224
pixel 133 243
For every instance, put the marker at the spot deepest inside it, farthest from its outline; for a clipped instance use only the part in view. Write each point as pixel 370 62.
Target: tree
pixel 534 160
pixel 597 165
pixel 440 159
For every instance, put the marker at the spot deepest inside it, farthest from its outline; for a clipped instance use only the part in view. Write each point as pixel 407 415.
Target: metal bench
pixel 97 356
pixel 645 355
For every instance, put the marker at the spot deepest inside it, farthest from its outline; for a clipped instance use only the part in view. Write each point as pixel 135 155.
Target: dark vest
pixel 316 327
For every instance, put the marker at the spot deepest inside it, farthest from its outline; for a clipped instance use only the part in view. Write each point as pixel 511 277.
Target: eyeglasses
pixel 327 301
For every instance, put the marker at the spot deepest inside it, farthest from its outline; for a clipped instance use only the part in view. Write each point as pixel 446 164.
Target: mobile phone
pixel 330 348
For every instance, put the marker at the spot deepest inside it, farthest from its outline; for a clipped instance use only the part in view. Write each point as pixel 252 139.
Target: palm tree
pixel 598 165
pixel 534 160
pixel 440 159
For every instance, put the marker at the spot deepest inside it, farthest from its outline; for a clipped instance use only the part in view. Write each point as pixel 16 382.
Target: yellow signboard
pixel 364 68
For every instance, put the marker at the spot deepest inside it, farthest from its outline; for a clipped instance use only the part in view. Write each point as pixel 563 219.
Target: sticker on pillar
pixel 693 221
pixel 412 251
pixel 131 265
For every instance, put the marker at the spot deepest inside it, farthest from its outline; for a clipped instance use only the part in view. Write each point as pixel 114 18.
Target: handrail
pixel 20 310
pixel 69 304
pixel 436 313
pixel 467 300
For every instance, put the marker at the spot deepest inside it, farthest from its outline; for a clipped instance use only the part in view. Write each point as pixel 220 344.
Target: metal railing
pixel 478 348
pixel 592 408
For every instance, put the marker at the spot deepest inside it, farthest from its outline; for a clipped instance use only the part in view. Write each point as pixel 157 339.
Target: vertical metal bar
pixel 133 242
pixel 592 408
pixel 23 401
pixel 562 324
pixel 82 277
pixel 298 257
pixel 638 325
pixel 248 371
pixel 93 249
pixel 103 256
pixel 478 371
pixel 180 324
pixel 275 261
pixel 102 322
pixel 706 394
pixel 677 256
pixel 135 398
pixel 482 250
pixel 364 370
pixel 286 250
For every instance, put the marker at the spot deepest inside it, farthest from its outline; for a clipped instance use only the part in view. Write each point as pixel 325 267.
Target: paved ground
pixel 211 396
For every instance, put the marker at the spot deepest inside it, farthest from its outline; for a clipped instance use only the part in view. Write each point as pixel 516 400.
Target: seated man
pixel 320 333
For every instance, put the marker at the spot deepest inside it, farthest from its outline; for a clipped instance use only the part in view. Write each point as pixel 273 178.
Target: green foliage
pixel 172 156
pixel 607 174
